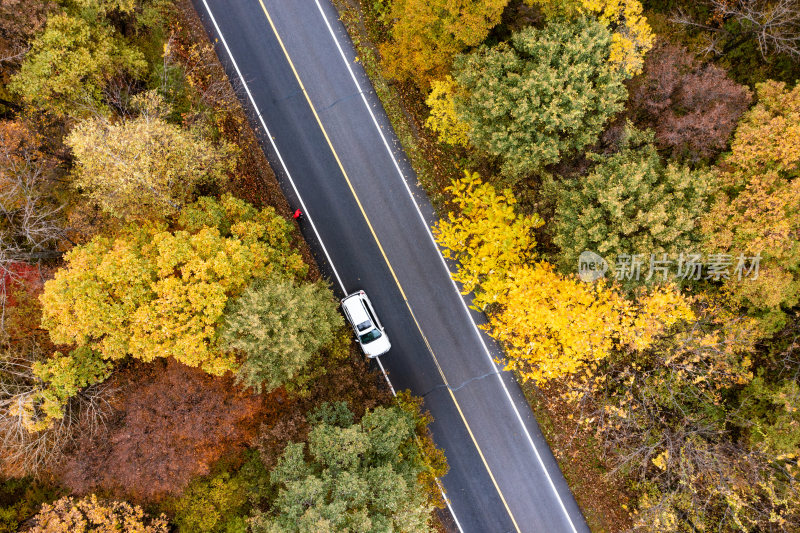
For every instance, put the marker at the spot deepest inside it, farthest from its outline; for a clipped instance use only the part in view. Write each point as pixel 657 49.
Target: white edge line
pixel 308 215
pixel 272 142
pixel 444 263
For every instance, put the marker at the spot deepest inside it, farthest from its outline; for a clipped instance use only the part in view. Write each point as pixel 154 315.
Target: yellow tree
pixel 757 210
pixel 554 326
pixel 151 293
pixel 144 167
pixel 484 235
pixel 427 34
pixel 90 514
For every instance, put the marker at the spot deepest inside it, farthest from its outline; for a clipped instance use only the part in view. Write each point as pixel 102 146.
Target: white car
pixel 368 329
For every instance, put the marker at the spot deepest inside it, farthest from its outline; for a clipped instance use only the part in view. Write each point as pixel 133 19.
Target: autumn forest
pixel 616 181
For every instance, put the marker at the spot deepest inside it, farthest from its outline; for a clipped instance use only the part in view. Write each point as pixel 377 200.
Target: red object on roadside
pixel 297 215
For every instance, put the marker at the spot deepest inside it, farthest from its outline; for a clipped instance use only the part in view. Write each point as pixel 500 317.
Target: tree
pixel 632 37
pixel 484 235
pixel 20 20
pixel 91 515
pixel 427 35
pixel 756 209
pixel 443 118
pixel 631 203
pixel 544 96
pixel 665 415
pixel 213 505
pixel 71 62
pixel 30 225
pixel 153 293
pixel 144 167
pixel 772 415
pixel 104 7
pixel 556 327
pixel 692 108
pixel 31 439
pixel 774 24
pixel 279 326
pixel 350 476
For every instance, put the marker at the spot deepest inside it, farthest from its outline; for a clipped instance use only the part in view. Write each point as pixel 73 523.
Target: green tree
pixel 279 326
pixel 772 415
pixel 150 293
pixel 90 515
pixel 70 63
pixel 350 476
pixel 20 498
pixel 427 34
pixel 144 167
pixel 213 505
pixel 62 376
pixel 544 96
pixel 631 203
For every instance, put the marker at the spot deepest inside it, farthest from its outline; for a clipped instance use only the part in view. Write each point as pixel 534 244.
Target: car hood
pixel 377 347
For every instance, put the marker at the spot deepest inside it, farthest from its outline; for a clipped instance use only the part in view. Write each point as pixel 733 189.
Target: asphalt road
pixel 367 221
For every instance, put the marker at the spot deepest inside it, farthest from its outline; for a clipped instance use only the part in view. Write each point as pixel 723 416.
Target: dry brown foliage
pixel 693 107
pixel 171 422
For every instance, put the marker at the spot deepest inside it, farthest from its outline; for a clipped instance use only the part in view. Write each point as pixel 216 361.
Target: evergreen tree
pixel 350 476
pixel 631 203
pixel 279 326
pixel 544 96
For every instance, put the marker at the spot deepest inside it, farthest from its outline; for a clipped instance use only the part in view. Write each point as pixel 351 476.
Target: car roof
pixel 356 308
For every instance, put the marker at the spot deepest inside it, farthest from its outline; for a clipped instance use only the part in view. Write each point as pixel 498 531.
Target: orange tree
pixel 427 34
pixel 757 210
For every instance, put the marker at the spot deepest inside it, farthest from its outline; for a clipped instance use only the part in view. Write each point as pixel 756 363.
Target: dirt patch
pixel 600 493
pixel 170 423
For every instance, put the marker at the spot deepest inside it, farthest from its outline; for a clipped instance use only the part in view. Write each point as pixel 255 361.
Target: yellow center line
pixel 386 259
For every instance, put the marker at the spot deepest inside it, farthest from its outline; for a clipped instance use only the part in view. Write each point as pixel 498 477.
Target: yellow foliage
pixel 656 312
pixel 485 236
pixel 443 119
pixel 427 35
pixel 756 209
pixel 153 293
pixel 144 167
pixel 553 326
pixel 632 37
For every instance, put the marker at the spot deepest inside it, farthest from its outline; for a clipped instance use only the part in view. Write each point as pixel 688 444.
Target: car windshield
pixel 364 325
pixel 370 336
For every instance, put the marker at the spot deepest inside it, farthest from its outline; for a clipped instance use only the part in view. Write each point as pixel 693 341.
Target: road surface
pixel 368 221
